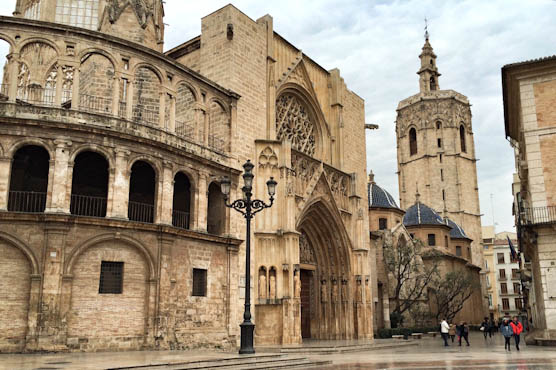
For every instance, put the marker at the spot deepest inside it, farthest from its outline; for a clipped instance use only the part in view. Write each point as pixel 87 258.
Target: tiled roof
pixel 543 59
pixel 457 232
pixel 378 197
pixel 420 214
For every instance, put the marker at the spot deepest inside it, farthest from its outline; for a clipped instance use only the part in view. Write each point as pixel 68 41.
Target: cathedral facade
pixel 114 233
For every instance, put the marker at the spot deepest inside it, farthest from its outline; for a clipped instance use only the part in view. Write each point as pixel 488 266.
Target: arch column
pixel 75 88
pixel 119 187
pixel 201 202
pixel 13 67
pixel 5 169
pixel 165 195
pixel 60 175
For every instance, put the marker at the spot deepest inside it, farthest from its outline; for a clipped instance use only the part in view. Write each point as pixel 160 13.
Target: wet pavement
pixel 431 354
pixel 428 354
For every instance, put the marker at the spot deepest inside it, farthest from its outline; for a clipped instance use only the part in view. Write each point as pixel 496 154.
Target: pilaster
pixel 60 201
pixel 120 186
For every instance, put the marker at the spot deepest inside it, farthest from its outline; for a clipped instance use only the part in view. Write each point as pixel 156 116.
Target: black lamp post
pixel 248 208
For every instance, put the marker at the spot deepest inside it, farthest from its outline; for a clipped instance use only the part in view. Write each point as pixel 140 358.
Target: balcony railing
pixel 84 205
pixel 217 143
pixel 185 130
pixel 37 95
pixel 180 219
pixel 147 116
pixel 141 212
pixel 538 215
pixel 26 201
pixel 93 103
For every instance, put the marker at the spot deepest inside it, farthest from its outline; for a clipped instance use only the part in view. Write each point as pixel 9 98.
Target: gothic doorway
pixel 325 272
pixel 306 282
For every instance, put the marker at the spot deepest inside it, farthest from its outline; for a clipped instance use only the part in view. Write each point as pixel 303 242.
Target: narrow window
pixel 440 158
pixel 439 143
pixel 503 288
pixel 462 139
pixel 382 224
pixel 111 277
pixel 443 194
pixel 438 125
pixel 433 83
pixel 515 273
pixel 446 241
pixel 432 240
pixel 500 257
pixel 518 304
pixel 469 252
pixel 517 288
pixel 199 283
pixel 441 175
pixel 458 250
pixel 412 236
pixel 502 273
pixel 412 141
pixel 505 303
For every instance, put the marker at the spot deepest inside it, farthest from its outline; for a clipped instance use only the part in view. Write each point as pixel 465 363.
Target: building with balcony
pixel 529 93
pixel 114 233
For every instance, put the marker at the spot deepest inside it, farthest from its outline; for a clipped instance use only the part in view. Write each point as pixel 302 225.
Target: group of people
pixel 508 328
pixel 450 331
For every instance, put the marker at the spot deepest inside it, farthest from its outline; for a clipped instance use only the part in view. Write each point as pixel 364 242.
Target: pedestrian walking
pixel 485 327
pixel 517 328
pixel 507 332
pixel 444 330
pixel 465 333
pixel 452 332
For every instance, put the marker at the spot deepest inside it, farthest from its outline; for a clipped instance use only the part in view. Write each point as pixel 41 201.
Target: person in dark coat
pixel 485 328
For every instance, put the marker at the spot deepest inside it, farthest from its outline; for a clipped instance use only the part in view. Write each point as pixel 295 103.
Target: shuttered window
pixel 199 282
pixel 111 277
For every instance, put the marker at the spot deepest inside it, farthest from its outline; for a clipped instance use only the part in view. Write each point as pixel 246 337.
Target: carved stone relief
pixel 293 122
pixel 142 10
pixel 268 158
pixel 306 253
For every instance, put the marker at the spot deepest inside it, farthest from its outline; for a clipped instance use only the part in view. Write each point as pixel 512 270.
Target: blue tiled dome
pixel 420 214
pixel 457 232
pixel 378 197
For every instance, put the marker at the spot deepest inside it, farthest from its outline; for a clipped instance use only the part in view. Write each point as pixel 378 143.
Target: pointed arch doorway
pixel 325 274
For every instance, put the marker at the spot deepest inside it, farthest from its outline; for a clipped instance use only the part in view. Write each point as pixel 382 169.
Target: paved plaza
pixel 428 353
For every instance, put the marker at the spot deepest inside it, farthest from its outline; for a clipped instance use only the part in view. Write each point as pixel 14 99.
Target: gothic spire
pixel 428 80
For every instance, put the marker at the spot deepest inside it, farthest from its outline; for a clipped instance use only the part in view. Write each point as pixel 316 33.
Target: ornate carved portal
pixel 294 123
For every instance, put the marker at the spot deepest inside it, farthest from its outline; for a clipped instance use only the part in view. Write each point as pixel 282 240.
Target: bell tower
pixel 436 152
pixel 139 21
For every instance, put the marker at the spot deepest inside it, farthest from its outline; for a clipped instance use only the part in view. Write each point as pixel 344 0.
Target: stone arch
pixel 17 266
pixel 28 252
pixel 155 165
pixel 186 102
pixel 7 38
pixel 315 138
pixel 42 40
pixel 76 252
pixel 92 148
pixel 153 69
pixel 147 86
pixel 30 141
pixel 96 82
pixel 93 50
pixel 219 125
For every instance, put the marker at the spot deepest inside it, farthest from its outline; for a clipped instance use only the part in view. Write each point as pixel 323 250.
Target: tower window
pixel 439 142
pixel 440 158
pixel 438 125
pixel 432 240
pixel 412 141
pixel 441 174
pixel 462 139
pixel 382 224
pixel 458 250
pixel 443 194
pixel 433 84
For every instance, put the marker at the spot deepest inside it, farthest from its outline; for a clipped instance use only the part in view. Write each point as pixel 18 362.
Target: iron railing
pixel 538 216
pixel 184 129
pixel 94 103
pixel 26 201
pixel 147 116
pixel 37 95
pixel 180 219
pixel 85 205
pixel 217 143
pixel 141 212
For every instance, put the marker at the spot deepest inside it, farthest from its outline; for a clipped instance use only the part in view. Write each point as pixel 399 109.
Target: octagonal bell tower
pixel 436 152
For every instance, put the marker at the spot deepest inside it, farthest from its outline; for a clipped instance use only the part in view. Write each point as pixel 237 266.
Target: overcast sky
pixel 376 44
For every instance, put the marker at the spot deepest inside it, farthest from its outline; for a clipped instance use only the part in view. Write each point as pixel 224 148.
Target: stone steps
pixel 326 350
pixel 251 362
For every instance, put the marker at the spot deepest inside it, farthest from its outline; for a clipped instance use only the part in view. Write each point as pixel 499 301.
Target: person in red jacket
pixel 517 329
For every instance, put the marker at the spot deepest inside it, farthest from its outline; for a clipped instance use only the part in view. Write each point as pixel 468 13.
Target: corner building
pixel 113 230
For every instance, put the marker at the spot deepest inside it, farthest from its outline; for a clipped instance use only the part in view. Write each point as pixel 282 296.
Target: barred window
pixel 199 282
pixel 79 13
pixel 111 277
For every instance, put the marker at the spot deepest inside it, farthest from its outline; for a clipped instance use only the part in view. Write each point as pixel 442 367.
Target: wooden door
pixel 306 283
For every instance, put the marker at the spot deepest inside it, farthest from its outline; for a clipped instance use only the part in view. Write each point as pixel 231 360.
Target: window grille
pixel 79 13
pixel 199 283
pixel 111 277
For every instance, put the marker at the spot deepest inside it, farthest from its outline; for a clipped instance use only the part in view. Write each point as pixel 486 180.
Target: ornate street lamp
pixel 248 208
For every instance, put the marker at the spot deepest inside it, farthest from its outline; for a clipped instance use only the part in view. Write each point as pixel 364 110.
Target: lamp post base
pixel 247 330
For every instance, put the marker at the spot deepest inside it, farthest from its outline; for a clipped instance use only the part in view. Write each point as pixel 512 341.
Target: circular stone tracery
pixel 293 122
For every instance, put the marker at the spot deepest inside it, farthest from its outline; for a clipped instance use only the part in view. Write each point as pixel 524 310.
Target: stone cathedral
pixel 436 155
pixel 114 234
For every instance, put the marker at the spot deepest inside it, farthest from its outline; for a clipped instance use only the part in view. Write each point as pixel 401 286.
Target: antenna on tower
pixel 426 29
